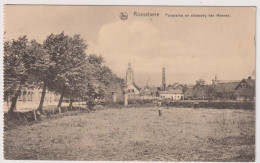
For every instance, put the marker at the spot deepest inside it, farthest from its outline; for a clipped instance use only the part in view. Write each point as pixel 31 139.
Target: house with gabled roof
pixel 225 88
pixel 245 89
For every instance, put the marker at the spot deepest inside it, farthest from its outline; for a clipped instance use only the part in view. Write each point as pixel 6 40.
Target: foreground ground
pixel 180 134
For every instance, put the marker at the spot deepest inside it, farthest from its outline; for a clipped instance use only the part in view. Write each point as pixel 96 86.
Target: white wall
pixel 176 96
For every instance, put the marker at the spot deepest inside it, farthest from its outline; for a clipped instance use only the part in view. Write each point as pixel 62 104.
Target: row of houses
pixel 223 89
pixel 236 89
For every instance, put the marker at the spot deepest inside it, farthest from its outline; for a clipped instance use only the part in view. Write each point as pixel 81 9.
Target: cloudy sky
pixel 188 47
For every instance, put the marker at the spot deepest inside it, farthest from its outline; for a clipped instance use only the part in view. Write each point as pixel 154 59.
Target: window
pixel 133 91
pixel 24 96
pixel 29 96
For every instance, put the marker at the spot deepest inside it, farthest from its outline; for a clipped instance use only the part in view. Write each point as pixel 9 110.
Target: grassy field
pixel 180 134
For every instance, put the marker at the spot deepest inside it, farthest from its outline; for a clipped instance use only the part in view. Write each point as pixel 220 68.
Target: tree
pixel 200 82
pixel 74 75
pixel 199 89
pixel 79 82
pixel 64 54
pixel 39 68
pixel 184 88
pixel 210 92
pixel 15 69
pixel 104 81
pixel 61 65
pixel 68 79
pixel 110 82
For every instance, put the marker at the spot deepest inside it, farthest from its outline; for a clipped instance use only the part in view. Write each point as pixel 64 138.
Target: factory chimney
pixel 163 79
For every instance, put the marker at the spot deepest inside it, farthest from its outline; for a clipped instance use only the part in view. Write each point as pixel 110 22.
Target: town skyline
pixel 189 49
pixel 129 83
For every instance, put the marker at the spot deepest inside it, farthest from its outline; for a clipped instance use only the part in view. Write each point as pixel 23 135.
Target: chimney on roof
pixel 249 77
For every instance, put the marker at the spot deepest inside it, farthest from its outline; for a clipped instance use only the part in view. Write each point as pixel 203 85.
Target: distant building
pixel 173 94
pixel 30 99
pixel 235 89
pixel 245 89
pixel 150 92
pixel 34 95
pixel 132 90
pixel 176 86
pixel 225 89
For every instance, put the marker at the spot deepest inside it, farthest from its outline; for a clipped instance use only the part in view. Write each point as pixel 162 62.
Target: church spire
pixel 129 65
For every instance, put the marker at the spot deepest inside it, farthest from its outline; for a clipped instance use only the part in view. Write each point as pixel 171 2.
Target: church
pixel 132 90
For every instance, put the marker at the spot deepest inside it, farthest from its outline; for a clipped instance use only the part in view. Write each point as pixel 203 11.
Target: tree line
pixel 59 64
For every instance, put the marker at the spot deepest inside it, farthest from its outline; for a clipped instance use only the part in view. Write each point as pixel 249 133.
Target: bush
pixel 142 102
pixel 248 105
pixel 131 103
pixel 110 103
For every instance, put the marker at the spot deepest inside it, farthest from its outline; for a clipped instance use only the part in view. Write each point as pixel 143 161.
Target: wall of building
pixel 172 96
pixel 132 92
pixel 30 99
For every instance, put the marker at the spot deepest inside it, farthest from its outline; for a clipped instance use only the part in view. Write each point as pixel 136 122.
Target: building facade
pixel 173 94
pixel 245 89
pixel 30 99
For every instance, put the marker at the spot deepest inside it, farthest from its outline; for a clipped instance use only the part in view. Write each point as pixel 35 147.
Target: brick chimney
pixel 163 79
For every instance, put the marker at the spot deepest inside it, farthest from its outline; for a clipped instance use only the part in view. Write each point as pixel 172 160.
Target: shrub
pixel 248 105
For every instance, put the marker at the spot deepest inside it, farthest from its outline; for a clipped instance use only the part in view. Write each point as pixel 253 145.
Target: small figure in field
pixel 160 112
pixel 196 105
pixel 159 105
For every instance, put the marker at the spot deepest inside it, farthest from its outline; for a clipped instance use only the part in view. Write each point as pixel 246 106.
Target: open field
pixel 180 134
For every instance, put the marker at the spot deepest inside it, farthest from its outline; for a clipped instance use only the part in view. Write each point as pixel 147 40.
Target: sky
pixel 188 47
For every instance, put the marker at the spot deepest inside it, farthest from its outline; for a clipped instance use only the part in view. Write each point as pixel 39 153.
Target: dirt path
pixel 138 134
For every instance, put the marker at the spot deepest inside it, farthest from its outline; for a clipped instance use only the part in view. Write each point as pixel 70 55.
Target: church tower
pixel 129 75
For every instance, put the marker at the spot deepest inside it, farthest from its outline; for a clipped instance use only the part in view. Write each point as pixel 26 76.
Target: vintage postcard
pixel 129 83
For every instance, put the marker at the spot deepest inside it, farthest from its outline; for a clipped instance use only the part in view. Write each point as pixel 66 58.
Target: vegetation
pixel 16 69
pixel 60 64
pixel 249 105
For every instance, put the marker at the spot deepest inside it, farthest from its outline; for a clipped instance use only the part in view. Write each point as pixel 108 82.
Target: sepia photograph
pixel 129 83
